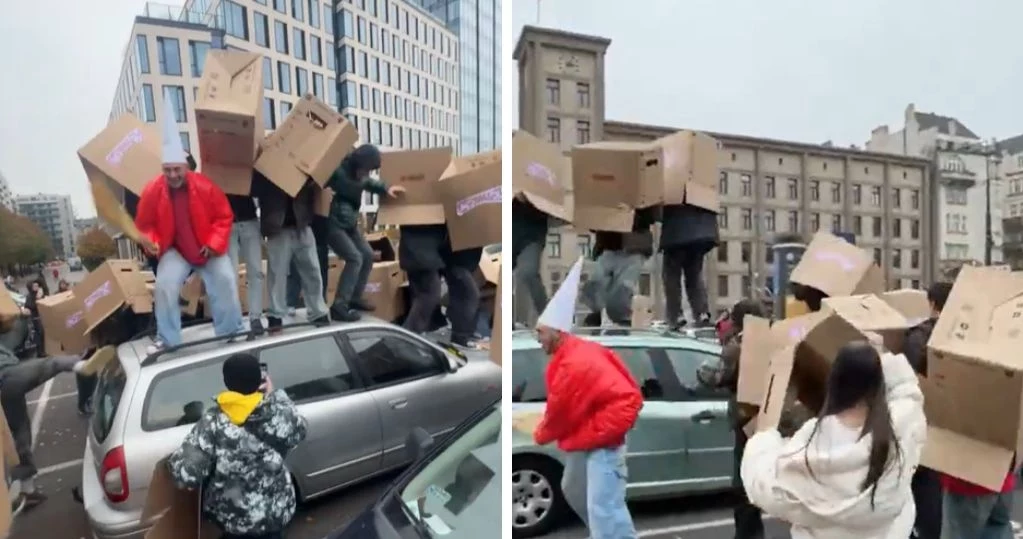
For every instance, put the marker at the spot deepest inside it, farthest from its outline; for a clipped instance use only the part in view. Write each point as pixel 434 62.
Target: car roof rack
pixel 250 335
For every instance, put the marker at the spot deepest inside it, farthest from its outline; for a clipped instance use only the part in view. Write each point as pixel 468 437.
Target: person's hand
pixel 205 252
pixel 395 191
pixel 267 386
pixel 149 246
pixel 26 312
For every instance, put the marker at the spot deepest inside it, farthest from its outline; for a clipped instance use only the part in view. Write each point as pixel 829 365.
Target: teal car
pixel 682 443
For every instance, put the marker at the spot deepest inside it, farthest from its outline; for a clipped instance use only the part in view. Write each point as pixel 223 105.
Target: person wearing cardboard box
pixel 289 246
pixel 592 403
pixel 846 473
pixel 246 245
pixel 529 236
pixel 620 257
pixel 349 182
pixel 688 233
pixel 185 221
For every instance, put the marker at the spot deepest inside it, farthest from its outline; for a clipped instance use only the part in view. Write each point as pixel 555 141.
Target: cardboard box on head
pixel 913 304
pixel 610 180
pixel 539 174
pixel 63 318
pixel 471 194
pixel 973 391
pixel 112 285
pixel 837 268
pixel 8 308
pixel 310 143
pixel 126 153
pixel 691 169
pixel 228 117
pixel 418 171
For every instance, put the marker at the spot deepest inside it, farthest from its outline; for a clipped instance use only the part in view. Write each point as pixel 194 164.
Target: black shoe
pixel 273 325
pixel 85 410
pixel 362 305
pixel 322 321
pixel 592 320
pixel 31 500
pixel 342 313
pixel 256 326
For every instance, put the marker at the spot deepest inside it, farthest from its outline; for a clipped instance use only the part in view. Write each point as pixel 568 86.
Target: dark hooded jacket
pixel 689 227
pixel 235 455
pixel 348 189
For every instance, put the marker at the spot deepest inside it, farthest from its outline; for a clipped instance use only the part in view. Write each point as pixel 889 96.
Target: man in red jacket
pixel 592 402
pixel 185 221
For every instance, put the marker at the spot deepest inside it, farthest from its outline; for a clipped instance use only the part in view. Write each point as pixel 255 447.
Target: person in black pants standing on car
pixel 688 233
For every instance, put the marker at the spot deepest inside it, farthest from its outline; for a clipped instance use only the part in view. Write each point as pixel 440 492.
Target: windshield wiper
pixel 417 517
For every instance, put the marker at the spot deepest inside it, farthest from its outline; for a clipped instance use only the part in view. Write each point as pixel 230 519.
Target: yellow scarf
pixel 238 407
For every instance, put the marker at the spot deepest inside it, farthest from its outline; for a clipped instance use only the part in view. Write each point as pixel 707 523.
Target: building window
pixel 285 108
pixel 553 92
pixel 815 222
pixel 914 229
pixel 836 223
pixel 176 96
pixel 875 196
pixel 298 9
pixel 769 224
pixel 914 259
pixel 553 130
pixel 897 258
pixel 315 50
pixel 348 94
pixel 268 73
pixel 554 245
pixel 269 119
pixel 793 221
pixel 281 5
pixel 747 219
pixel 328 20
pixel 582 92
pixel 722 250
pixel 314 13
pixel 142 46
pixel 745 252
pixel 914 199
pixel 746 183
pixel 815 190
pixel 170 56
pixel 723 286
pixel 298 42
pixel 955 196
pixel 768 186
pixel 836 193
pixel 896 197
pixel 301 81
pixel 261 27
pixel 723 219
pixel 878 256
pixel 723 182
pixel 585 245
pixel 198 50
pixel 793 189
pixel 360 27
pixel 318 87
pixel 281 37
pixel 582 132
pixel 235 20
pixel 186 141
pixel 876 227
pixel 857 225
pixel 896 228
pixel 284 77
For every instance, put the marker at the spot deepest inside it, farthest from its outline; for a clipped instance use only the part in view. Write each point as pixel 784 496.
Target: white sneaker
pixel 291 311
pixel 157 346
pixel 77 367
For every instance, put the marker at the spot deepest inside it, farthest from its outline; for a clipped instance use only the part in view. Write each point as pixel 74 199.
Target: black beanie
pixel 366 157
pixel 242 374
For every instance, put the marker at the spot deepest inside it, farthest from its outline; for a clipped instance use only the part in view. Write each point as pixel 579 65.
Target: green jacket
pixel 344 209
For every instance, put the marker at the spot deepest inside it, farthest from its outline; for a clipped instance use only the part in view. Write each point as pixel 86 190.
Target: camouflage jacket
pixel 246 488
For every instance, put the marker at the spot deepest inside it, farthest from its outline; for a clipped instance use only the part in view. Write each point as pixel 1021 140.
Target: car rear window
pixel 109 388
pixel 181 396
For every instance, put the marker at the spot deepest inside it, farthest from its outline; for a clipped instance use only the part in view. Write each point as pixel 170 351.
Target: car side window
pixel 387 358
pixel 180 397
pixel 653 372
pixel 528 382
pixel 686 363
pixel 309 369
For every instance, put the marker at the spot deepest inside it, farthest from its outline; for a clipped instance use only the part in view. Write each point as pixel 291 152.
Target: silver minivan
pixel 362 386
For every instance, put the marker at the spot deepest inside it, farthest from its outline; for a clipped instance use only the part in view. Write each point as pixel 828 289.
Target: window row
pixel 376 69
pixel 818 221
pixel 789 187
pixel 393 13
pixel 384 103
pixel 725 253
pixel 396 47
pixel 169 57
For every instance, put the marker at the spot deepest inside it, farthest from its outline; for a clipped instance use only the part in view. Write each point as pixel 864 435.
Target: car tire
pixel 535 470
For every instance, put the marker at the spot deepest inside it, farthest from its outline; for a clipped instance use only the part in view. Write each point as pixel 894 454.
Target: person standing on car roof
pixel 688 233
pixel 246 246
pixel 17 379
pixel 592 402
pixel 349 181
pixel 185 221
pixel 620 257
pixel 529 236
pixel 236 454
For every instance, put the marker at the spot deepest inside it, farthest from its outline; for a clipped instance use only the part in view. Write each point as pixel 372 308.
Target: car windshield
pixel 458 493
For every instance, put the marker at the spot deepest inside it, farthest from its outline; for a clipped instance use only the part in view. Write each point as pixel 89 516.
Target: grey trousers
pixel 988 516
pixel 527 275
pixel 613 284
pixel 298 246
pixel 352 247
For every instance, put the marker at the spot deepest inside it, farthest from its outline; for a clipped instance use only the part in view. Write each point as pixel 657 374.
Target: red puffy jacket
pixel 592 400
pixel 211 214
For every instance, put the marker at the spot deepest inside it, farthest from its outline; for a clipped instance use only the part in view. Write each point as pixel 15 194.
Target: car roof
pixel 524 340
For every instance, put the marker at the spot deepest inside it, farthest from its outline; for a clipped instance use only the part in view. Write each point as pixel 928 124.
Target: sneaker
pixel 29 501
pixel 362 305
pixel 85 410
pixel 322 321
pixel 157 346
pixel 342 313
pixel 256 326
pixel 273 325
pixel 291 311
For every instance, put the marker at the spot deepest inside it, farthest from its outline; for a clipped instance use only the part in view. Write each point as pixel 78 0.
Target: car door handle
pixel 398 404
pixel 703 417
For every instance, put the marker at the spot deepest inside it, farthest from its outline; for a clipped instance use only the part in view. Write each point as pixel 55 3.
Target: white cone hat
pixel 173 152
pixel 560 311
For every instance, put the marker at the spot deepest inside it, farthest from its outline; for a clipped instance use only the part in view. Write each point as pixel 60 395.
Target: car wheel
pixel 537 502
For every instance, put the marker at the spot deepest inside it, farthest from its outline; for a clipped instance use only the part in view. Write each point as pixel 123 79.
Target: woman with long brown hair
pixel 846 473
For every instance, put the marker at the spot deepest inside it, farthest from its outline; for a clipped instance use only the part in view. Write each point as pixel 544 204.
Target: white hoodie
pixel 830 503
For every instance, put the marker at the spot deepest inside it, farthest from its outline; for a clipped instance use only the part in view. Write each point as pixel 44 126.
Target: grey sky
pixel 61 64
pixel 801 70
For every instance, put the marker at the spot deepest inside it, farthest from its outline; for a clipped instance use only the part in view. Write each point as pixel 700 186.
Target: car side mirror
pixel 418 443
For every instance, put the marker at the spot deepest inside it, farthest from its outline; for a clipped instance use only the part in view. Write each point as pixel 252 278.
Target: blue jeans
pixel 221 288
pixel 247 241
pixel 298 247
pixel 594 486
pixel 988 516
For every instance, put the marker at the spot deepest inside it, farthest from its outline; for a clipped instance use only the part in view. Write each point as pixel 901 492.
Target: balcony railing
pixel 170 12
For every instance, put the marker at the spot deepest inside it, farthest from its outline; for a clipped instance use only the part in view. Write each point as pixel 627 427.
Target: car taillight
pixel 113 475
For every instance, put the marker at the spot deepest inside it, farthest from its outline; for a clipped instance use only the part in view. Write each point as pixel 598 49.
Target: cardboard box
pixel 309 143
pixel 174 513
pixel 9 456
pixel 838 268
pixel 471 191
pixel 386 279
pixel 8 308
pixel 912 303
pixel 610 180
pixel 334 267
pixel 642 311
pixel 973 391
pixel 870 313
pixel 691 169
pixel 539 174
pixel 229 117
pixel 322 200
pixel 63 318
pixel 418 171
pixel 490 267
pixel 126 154
pixel 115 283
pixel 189 297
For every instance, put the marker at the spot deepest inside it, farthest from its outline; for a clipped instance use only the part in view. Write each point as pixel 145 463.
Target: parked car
pixel 456 483
pixel 681 444
pixel 362 386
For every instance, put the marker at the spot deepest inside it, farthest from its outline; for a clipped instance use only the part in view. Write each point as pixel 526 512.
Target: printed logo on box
pixel 129 141
pixel 842 260
pixel 542 173
pixel 490 196
pixel 74 319
pixel 373 288
pixel 98 294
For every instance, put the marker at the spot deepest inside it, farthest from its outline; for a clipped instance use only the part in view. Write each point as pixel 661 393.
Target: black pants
pixel 927 496
pixel 424 292
pixel 679 263
pixel 463 302
pixel 86 387
pixel 748 522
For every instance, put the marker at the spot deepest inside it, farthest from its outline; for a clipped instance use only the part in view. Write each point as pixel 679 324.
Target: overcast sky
pixel 801 70
pixel 60 65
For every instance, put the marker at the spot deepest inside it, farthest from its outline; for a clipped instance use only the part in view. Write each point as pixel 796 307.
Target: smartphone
pixel 264 370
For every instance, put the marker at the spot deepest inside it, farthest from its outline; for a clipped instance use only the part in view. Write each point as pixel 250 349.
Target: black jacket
pixel 275 206
pixel 687 226
pixel 639 241
pixel 915 345
pixel 421 247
